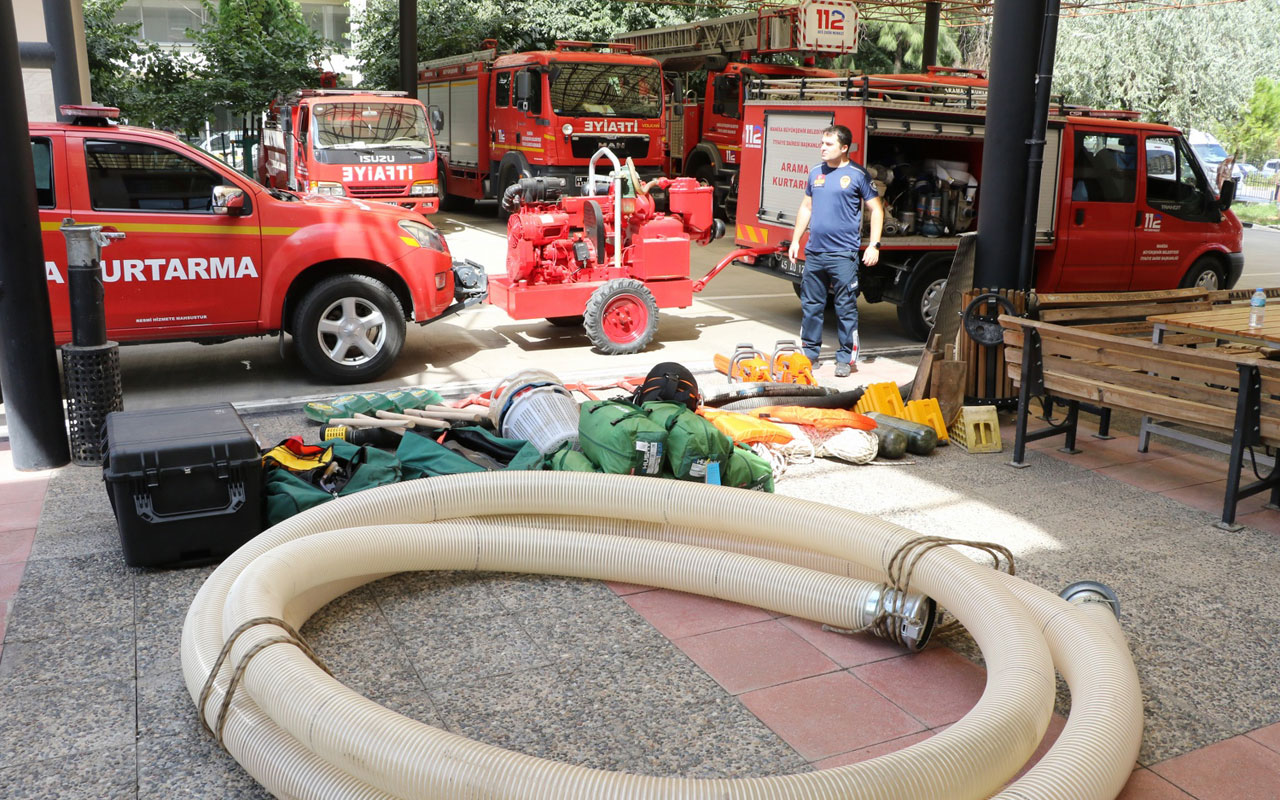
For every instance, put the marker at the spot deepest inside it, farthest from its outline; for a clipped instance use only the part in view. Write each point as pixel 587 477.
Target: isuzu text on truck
pixel 541 113
pixel 210 255
pixel 368 145
pixel 704 127
pixel 1124 205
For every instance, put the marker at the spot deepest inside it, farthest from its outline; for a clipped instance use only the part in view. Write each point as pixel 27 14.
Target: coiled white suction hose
pixel 302 734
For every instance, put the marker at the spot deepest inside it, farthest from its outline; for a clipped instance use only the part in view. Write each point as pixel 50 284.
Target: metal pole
pixel 409 47
pixel 932 20
pixel 1040 124
pixel 1010 108
pixel 28 366
pixel 70 82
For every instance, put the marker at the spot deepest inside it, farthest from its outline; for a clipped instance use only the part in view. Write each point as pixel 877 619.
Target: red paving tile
pixel 829 714
pixel 847 650
pixel 1146 785
pixel 874 751
pixel 936 686
pixel 621 589
pixel 10 577
pixel 1267 737
pixel 15 546
pixel 755 656
pixel 1099 453
pixel 1268 521
pixel 1236 769
pixel 19 516
pixel 1209 497
pixel 17 490
pixel 677 614
pixel 1163 474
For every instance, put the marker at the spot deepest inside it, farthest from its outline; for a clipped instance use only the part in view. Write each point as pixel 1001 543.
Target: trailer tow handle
pixel 699 285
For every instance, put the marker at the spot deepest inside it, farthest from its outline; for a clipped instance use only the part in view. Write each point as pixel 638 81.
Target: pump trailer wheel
pixel 621 317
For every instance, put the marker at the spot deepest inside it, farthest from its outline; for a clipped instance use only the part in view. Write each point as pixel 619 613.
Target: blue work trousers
pixel 838 272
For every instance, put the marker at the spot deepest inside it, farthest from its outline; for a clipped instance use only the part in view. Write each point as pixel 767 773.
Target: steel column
pixel 1010 110
pixel 70 80
pixel 1035 159
pixel 932 20
pixel 409 47
pixel 28 365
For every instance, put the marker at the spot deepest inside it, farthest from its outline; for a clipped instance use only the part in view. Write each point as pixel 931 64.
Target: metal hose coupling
pixel 1092 592
pixel 907 618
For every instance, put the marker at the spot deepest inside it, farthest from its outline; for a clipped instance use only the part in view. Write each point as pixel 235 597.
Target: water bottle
pixel 1257 308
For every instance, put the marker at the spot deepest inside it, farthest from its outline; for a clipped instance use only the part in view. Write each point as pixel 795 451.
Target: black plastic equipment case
pixel 185 484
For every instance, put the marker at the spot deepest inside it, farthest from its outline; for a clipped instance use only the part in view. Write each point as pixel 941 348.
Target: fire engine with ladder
pixel 704 126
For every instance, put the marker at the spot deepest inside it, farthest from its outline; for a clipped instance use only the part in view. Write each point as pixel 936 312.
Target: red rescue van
pixel 211 255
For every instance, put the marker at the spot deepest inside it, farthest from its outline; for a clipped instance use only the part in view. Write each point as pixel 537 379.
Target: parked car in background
pixel 1210 153
pixel 1270 168
pixel 1249 169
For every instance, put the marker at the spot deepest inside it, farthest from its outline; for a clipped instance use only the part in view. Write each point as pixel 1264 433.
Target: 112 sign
pixel 830 19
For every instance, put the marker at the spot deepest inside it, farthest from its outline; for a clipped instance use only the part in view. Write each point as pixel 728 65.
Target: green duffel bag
pixel 692 442
pixel 620 438
pixel 468 448
pixel 568 459
pixel 351 470
pixel 746 470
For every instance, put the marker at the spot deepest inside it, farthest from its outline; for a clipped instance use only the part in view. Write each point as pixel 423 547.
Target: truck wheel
pixel 707 174
pixel 1205 273
pixel 348 329
pixel 506 177
pixel 919 309
pixel 451 202
pixel 621 317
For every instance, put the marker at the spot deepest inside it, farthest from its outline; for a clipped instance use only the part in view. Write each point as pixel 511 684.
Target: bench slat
pixel 1058 299
pixel 1140 311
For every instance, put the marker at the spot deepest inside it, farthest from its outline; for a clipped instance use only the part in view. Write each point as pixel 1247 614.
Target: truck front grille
pixel 377 191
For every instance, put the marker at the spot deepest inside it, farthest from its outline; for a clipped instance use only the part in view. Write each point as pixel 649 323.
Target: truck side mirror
pixel 1228 194
pixel 229 200
pixel 437 118
pixel 677 93
pixel 523 89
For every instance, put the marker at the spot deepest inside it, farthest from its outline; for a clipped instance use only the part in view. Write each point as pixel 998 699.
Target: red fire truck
pixel 368 145
pixel 704 129
pixel 514 115
pixel 1124 204
pixel 209 255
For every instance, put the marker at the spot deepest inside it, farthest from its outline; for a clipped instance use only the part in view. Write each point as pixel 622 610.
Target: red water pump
pixel 610 260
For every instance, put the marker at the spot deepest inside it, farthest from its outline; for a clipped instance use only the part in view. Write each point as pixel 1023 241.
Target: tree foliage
pixel 1192 67
pixel 451 27
pixel 1256 135
pixel 252 50
pixel 247 53
pixel 899 47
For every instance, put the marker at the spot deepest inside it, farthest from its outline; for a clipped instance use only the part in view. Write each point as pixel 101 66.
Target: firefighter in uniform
pixel 835 195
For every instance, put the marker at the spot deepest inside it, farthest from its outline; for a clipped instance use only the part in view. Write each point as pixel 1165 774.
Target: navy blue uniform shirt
pixel 835 224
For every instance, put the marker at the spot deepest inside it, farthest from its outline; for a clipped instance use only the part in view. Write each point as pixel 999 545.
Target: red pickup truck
pixel 211 255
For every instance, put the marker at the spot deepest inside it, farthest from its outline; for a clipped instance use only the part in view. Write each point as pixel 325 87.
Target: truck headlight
pixel 422 235
pixel 423 189
pixel 328 187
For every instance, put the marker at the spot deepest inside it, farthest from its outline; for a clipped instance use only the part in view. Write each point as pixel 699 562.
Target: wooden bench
pixel 1203 389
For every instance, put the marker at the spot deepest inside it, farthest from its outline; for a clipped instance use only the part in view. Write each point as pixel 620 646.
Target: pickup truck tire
pixel 348 329
pixel 621 317
pixel 1205 273
pixel 919 309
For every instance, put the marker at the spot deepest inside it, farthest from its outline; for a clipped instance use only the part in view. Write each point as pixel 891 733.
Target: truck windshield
pixel 591 89
pixel 358 126
pixel 1209 153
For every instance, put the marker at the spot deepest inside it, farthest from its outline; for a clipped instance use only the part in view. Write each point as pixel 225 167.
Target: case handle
pixel 146 511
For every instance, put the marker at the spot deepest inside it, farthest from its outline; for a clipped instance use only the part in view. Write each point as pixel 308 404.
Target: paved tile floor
pixel 91 703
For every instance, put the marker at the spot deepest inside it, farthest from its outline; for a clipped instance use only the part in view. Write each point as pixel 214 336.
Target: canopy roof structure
pixel 959 13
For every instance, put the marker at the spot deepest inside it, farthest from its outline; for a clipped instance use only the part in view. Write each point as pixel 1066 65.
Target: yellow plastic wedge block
pixel 977 430
pixel 882 397
pixel 927 412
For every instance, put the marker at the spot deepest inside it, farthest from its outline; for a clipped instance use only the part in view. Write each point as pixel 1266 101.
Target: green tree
pixel 451 27
pixel 902 45
pixel 1256 135
pixel 253 50
pixel 1192 67
pixel 149 84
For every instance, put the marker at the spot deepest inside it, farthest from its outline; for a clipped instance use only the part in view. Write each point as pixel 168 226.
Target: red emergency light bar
pixel 90 115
